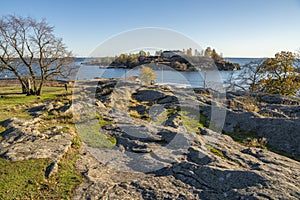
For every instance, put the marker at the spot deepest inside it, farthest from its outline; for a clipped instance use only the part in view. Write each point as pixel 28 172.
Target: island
pixel 183 60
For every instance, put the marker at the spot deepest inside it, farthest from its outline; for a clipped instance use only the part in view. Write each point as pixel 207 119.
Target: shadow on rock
pixel 215 183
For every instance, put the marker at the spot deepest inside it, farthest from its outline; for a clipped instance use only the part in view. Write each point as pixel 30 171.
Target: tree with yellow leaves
pixel 147 75
pixel 280 76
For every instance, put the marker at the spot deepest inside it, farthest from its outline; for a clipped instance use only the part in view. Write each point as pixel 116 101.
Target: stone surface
pixel 148 95
pixel 22 141
pixel 243 173
pixel 163 160
pixel 210 166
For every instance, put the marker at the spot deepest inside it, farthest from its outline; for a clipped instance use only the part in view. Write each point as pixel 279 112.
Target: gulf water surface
pixel 172 77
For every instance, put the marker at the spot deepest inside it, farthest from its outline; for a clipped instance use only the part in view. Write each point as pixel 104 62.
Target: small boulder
pixel 148 95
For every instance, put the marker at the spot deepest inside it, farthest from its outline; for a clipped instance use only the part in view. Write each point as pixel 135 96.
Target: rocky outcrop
pixel 163 155
pixel 177 62
pixel 274 117
pixel 29 139
pixel 241 173
pixel 227 66
pixel 163 160
pixel 23 141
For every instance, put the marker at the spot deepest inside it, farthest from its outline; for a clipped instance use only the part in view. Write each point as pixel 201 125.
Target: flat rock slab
pixel 22 141
pixel 148 95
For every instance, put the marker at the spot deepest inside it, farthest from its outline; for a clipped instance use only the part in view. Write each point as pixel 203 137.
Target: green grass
pixel 10 113
pixel 193 120
pixel 22 178
pixel 63 118
pixel 251 139
pixel 76 142
pixel 89 133
pixel 14 104
pixel 161 118
pixel 2 129
pixel 26 179
pixel 247 138
pixel 215 151
pixel 171 112
pixel 219 153
pixel 62 185
pixel 103 122
pixel 192 125
pixel 135 114
pixel 21 99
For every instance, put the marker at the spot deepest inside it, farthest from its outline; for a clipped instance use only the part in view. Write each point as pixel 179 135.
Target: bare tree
pixel 30 50
pixel 247 79
pixel 277 75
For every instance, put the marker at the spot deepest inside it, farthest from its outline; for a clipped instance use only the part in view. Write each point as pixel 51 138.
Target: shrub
pixel 134 113
pixel 147 75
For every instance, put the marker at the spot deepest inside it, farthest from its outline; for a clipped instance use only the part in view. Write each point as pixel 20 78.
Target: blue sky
pixel 237 28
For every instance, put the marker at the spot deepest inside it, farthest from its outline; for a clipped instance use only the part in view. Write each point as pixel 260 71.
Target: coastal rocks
pixel 277 99
pixel 279 132
pixel 173 121
pixel 106 183
pixel 273 117
pixel 238 173
pixel 147 95
pixel 280 111
pixel 167 99
pixel 147 163
pixel 272 113
pixel 227 66
pixel 157 158
pixel 22 141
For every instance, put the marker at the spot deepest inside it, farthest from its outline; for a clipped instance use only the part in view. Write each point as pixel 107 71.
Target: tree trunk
pixel 24 91
pixel 26 87
pixel 39 90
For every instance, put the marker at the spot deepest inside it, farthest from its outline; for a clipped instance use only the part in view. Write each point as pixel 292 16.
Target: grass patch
pixel 76 142
pixel 247 138
pixel 219 153
pixel 21 99
pixel 251 139
pixel 62 118
pixel 2 129
pixel 7 113
pixel 171 112
pixel 215 151
pixel 102 121
pixel 135 114
pixel 22 179
pixel 63 184
pixel 193 120
pixel 161 118
pixel 89 133
pixel 191 124
pixel 26 179
pixel 14 104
